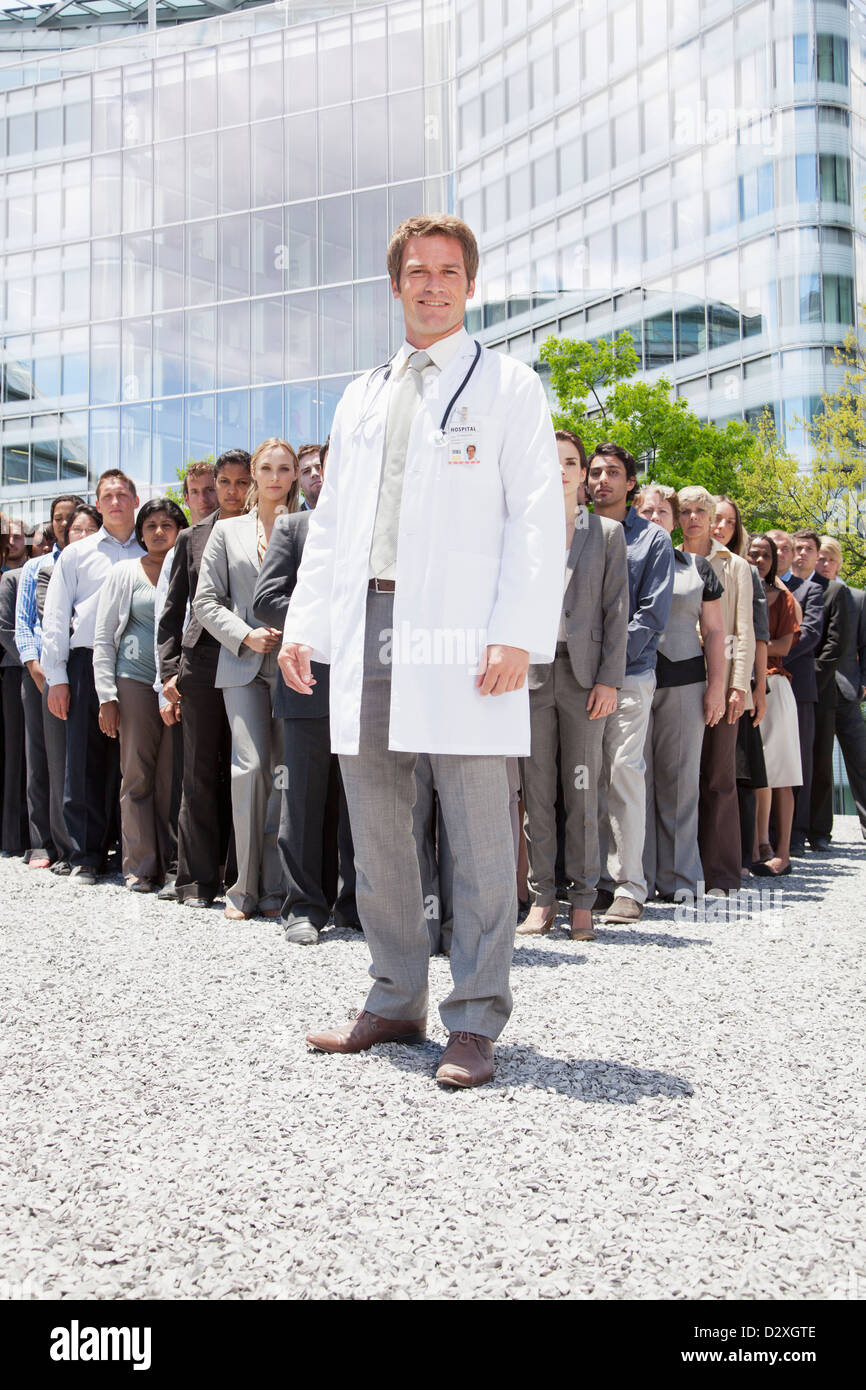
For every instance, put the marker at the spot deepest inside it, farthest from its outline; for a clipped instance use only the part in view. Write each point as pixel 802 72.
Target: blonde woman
pixel 247 674
pixel 719 815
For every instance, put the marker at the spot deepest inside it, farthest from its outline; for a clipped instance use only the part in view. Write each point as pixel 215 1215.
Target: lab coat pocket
pixel 470 590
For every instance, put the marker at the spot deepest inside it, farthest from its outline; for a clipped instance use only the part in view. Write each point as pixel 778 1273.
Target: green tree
pixel 598 400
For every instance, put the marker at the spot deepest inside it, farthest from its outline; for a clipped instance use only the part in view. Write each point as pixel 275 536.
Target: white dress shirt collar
pixel 103 535
pixel 441 352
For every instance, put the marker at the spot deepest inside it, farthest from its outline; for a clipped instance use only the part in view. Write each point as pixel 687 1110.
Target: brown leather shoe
pixel 624 909
pixel 466 1061
pixel 368 1029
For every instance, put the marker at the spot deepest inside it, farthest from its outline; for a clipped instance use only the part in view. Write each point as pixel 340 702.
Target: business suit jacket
pixel 223 602
pixel 8 597
pixel 595 607
pixel 851 671
pixel 834 636
pixel 276 583
pixel 800 661
pixel 182 589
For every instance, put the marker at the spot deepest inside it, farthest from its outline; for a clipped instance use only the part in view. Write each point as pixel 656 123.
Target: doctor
pixel 431 577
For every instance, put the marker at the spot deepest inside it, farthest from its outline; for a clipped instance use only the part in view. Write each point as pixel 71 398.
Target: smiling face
pixel 274 473
pixel 656 508
pixel 433 288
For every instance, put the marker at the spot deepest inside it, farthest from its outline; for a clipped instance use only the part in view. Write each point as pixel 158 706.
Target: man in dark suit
pixel 800 661
pixel 841 715
pixel 188 658
pixel 308 835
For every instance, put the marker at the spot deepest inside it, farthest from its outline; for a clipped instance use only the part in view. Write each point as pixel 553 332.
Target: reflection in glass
pixel 137 189
pixel 104 450
pixel 169 182
pixel 167 429
pixel 73 445
pixel 198 434
pixel 137 274
pixel 105 363
pixel 372 306
pixel 74 353
pixel 335 239
pixel 267 340
pixel 200 349
pixel 135 442
pixel 201 104
pixel 267 163
pixel 266 77
pixel 335 149
pixel 168 354
pixel 168 268
pixel 371 142
pixel 300 63
pixel 233 421
pixel 43 449
pixel 201 180
pixel 335 345
pixel 302 412
pixel 270 258
pixel 371 232
pixel 233 60
pixel 234 169
pixel 301 157
pixel 658 341
pixel 168 90
pixel 201 262
pixel 233 339
pixel 234 256
pixel 106 193
pixel 301 335
pixel 266 414
pixel 136 359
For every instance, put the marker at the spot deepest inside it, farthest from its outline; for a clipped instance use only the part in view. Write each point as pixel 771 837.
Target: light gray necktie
pixel 405 397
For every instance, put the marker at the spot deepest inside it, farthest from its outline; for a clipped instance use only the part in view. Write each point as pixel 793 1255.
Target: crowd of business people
pixel 682 735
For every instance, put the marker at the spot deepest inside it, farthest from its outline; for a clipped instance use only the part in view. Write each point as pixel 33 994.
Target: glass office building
pixel 193 216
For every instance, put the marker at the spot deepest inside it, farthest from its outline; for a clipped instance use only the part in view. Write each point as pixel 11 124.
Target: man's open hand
pixel 501 670
pixel 294 662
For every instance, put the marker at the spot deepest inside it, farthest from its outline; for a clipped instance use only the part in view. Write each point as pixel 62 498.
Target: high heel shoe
pixel 541 918
pixel 582 931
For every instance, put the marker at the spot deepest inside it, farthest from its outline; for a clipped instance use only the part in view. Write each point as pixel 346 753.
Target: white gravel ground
pixel 677 1110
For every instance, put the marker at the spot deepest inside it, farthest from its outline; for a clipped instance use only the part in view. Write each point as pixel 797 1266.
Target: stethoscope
pixel 385 368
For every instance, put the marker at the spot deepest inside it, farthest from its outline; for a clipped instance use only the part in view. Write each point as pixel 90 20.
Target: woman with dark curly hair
pixel 124 670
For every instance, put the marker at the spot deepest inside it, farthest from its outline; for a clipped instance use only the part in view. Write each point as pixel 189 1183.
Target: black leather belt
pixel 382 586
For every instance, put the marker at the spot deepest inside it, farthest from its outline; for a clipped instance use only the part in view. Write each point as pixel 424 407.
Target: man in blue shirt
pixel 48 838
pixel 611 482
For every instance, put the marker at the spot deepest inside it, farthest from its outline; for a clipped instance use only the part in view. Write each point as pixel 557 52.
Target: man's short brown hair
pixel 121 477
pixel 807 534
pixel 440 224
pixel 196 470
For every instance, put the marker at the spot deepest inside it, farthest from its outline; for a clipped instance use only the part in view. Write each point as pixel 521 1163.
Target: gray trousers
pixel 675 736
pixel 256 753
pixel 622 793
pixel 55 753
pixel 146 758
pixel 473 792
pixel 558 719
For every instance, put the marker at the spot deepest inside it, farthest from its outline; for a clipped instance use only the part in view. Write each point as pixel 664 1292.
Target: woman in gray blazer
pixel 247 675
pixel 569 700
pixel 124 669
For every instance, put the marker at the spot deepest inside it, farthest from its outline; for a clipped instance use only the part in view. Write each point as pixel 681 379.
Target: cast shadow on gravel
pixel 588 1079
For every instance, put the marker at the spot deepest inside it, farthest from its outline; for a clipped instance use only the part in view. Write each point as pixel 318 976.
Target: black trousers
pixel 15 836
pixel 314 829
pixel 54 731
pixel 204 839
pixel 821 799
pixel 38 793
pixel 803 794
pixel 850 730
pixel 92 787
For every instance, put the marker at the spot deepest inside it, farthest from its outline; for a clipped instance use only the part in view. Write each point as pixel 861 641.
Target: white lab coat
pixel 479 558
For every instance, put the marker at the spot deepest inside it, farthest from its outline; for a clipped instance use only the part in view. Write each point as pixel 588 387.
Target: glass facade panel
pixel 196 220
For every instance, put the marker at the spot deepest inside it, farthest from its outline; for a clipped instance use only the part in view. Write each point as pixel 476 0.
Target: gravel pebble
pixel 676 1113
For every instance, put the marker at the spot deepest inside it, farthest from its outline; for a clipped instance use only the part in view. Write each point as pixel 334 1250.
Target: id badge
pixel 464 439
